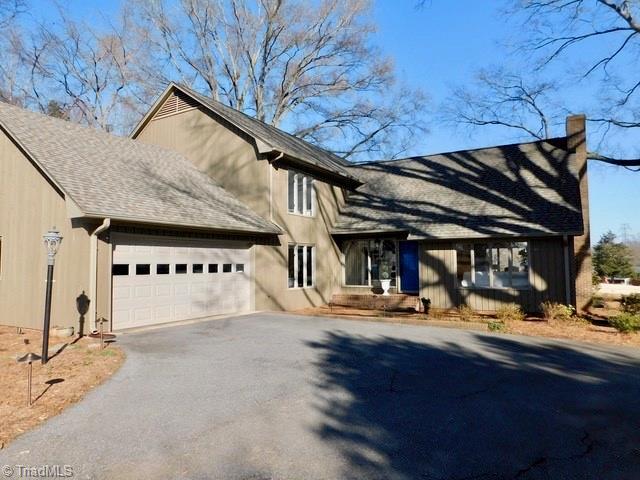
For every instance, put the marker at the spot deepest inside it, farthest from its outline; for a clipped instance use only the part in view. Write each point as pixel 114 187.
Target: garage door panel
pixel 121 292
pixel 144 292
pixel 162 313
pixel 157 293
pixel 181 290
pixel 163 291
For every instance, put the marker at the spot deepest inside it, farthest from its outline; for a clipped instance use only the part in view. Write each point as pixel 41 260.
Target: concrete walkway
pixel 276 396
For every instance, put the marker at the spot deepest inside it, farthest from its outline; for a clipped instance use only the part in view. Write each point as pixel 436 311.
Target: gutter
pixel 93 271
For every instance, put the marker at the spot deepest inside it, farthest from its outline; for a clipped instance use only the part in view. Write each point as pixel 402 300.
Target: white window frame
pixel 305 265
pixel 490 246
pixel 303 210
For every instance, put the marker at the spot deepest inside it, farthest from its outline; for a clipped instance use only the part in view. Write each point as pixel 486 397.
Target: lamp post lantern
pixel 52 240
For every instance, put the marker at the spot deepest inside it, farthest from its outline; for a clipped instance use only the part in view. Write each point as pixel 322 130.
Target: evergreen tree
pixel 611 258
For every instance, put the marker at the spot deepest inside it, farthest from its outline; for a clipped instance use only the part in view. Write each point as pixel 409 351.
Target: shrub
pixel 626 323
pixel 556 311
pixel 631 303
pixel 595 279
pixel 466 313
pixel 598 302
pixel 496 326
pixel 509 313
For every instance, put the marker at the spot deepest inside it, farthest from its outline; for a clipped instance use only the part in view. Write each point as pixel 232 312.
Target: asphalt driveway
pixel 275 396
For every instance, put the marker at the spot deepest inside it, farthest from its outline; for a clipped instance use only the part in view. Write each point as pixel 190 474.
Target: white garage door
pixel 157 280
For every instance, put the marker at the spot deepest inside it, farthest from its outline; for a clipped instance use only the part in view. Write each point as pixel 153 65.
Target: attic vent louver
pixel 176 103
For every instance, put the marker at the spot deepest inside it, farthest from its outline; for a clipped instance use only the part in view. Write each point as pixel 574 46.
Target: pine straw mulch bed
pixel 593 329
pixel 63 381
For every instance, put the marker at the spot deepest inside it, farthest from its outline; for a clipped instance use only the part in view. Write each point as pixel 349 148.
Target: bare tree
pixel 307 67
pixel 504 99
pixel 91 68
pixel 9 10
pixel 552 29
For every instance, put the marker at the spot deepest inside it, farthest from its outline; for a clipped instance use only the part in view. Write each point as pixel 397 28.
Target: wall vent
pixel 177 102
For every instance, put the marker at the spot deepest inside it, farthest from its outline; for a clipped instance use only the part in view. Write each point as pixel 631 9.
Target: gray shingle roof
pixel 117 177
pixel 278 139
pixel 512 190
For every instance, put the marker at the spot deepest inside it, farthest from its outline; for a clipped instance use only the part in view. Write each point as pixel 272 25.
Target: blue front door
pixel 409 278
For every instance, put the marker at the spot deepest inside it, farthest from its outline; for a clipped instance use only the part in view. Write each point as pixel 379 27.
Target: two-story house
pixel 207 211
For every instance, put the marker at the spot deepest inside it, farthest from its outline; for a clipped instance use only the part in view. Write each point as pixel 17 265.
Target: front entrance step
pixel 370 301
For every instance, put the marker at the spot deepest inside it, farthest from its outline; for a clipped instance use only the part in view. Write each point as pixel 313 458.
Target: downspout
pixel 567 273
pixel 93 272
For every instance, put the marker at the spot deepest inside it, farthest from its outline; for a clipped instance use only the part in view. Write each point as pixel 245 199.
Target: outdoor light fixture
pixel 29 358
pixel 52 240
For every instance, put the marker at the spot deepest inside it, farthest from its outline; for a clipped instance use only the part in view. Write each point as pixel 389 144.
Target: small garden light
pixel 29 358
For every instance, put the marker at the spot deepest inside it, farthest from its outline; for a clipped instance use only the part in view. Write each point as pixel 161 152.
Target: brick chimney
pixel 582 288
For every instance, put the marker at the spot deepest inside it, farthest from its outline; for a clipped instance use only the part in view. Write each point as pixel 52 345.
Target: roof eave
pixel 348 181
pixel 413 236
pixel 148 221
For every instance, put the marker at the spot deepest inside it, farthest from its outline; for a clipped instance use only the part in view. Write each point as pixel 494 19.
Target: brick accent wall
pixel 377 302
pixel 581 247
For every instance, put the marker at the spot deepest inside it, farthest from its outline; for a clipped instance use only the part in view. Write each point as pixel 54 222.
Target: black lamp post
pixel 52 240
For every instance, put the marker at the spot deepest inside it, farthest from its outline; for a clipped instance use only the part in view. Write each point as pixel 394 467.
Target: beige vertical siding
pixel 29 206
pixel 229 156
pixel 439 284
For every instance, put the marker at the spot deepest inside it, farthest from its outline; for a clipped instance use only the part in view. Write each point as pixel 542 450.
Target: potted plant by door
pixel 385 281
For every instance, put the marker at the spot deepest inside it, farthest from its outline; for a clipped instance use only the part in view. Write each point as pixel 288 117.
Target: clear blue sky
pixel 443 44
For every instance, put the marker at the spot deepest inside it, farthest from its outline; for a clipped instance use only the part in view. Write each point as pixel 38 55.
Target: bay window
pixel 301 194
pixel 366 262
pixel 493 265
pixel 301 266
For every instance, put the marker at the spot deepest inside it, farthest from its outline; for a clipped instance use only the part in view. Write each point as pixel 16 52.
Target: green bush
pixel 595 279
pixel 496 326
pixel 598 302
pixel 626 323
pixel 556 311
pixel 509 313
pixel 631 303
pixel 466 313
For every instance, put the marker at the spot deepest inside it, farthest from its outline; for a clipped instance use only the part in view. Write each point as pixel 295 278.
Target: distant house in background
pixel 206 210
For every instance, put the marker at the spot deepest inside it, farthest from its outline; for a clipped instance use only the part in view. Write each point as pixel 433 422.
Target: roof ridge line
pixel 475 149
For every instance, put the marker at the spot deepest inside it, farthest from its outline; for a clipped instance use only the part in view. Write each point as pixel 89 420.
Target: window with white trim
pixel 301 266
pixel 493 265
pixel 301 194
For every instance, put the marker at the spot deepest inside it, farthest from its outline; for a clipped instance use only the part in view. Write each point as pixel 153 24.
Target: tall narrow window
pixel 308 196
pixel 301 266
pixel 292 266
pixel 292 191
pixel 309 269
pixel 300 191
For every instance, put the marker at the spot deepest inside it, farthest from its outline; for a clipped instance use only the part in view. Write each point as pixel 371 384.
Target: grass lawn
pixel 64 380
